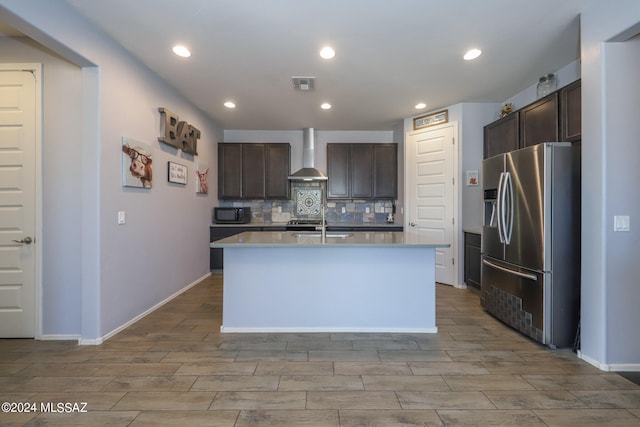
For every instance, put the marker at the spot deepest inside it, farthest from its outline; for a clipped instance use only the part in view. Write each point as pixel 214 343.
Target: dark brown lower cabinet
pixel 216 256
pixel 472 260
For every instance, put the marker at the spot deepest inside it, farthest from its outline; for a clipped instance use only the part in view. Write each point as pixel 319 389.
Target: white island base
pixel 321 289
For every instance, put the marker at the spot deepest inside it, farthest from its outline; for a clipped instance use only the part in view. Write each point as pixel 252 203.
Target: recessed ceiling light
pixel 472 54
pixel 327 52
pixel 326 106
pixel 230 104
pixel 420 106
pixel 181 51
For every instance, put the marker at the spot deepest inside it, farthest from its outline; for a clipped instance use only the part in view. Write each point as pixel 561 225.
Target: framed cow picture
pixel 137 163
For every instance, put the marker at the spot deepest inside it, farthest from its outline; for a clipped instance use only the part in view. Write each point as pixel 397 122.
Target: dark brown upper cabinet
pixel 571 112
pixel 539 121
pixel 362 171
pixel 385 169
pixel 253 177
pixel 229 171
pixel 277 171
pixel 249 171
pixel 556 117
pixel 338 170
pixel 502 136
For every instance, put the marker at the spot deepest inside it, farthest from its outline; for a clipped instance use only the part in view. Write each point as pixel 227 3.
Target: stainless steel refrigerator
pixel 530 276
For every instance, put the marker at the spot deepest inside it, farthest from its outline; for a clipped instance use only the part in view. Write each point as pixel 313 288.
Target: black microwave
pixel 232 215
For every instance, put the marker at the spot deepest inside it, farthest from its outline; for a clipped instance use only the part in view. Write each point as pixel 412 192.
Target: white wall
pixel 610 134
pixel 163 247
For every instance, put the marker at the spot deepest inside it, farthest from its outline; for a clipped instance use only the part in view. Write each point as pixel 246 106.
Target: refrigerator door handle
pixel 506 270
pixel 508 223
pixel 500 208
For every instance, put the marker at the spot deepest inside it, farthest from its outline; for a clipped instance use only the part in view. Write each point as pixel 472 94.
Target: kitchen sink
pixel 328 235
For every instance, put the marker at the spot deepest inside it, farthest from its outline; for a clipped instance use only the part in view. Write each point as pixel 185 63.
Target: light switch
pixel 621 223
pixel 121 218
pixel 367 209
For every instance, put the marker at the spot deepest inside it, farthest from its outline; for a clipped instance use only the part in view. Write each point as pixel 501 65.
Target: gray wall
pixel 115 273
pixel 61 182
pixel 623 198
pixel 610 129
pixel 474 116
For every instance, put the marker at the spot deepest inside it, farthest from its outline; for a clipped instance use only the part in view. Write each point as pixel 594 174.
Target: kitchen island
pixel 287 281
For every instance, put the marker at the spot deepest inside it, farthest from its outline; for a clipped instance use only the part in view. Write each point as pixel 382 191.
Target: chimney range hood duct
pixel 308 171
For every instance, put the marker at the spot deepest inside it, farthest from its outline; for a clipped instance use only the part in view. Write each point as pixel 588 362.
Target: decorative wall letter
pixel 180 135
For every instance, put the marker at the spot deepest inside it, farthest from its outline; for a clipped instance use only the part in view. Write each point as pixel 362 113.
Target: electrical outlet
pixel 367 209
pixel 344 210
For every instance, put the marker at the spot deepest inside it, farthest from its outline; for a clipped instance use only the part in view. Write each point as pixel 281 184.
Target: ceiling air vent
pixel 303 84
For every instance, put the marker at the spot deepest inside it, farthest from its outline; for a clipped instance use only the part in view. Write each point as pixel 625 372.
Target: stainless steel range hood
pixel 308 171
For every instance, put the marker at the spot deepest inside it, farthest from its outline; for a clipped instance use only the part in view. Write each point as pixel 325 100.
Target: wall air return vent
pixel 303 84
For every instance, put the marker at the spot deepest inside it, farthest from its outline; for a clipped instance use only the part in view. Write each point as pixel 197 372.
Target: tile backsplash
pixel 306 199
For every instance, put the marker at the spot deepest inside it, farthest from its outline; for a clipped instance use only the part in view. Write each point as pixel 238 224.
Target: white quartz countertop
pixel 472 230
pixel 331 224
pixel 300 239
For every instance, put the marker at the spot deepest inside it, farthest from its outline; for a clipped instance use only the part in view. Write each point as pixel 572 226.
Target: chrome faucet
pixel 323 225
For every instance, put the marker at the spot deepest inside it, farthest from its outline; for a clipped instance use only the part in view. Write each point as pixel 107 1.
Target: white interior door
pixel 17 204
pixel 431 193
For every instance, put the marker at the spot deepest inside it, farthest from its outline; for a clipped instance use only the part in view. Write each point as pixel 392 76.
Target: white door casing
pixel 19 163
pixel 431 193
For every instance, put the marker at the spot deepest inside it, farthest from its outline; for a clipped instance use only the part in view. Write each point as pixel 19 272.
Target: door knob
pixel 412 224
pixel 27 240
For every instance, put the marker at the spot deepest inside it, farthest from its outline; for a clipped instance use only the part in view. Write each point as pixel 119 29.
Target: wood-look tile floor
pixel 174 368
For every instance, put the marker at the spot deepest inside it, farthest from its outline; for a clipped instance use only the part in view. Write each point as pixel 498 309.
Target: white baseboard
pixel 105 337
pixel 59 337
pixel 592 361
pixel 97 341
pixel 288 330
pixel 610 367
pixel 624 367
